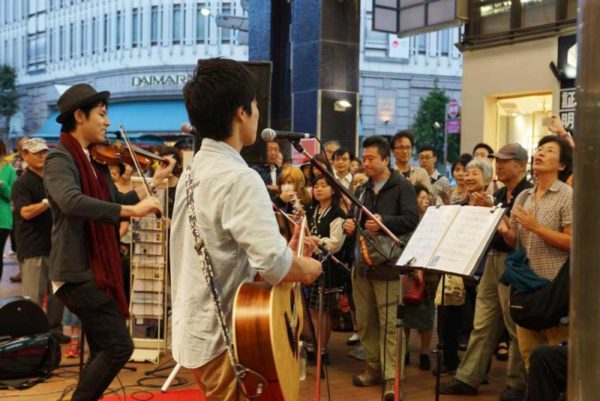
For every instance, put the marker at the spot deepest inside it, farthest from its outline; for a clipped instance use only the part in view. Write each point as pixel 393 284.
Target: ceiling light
pixel 342 105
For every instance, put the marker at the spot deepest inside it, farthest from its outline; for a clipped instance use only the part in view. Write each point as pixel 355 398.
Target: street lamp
pixel 205 11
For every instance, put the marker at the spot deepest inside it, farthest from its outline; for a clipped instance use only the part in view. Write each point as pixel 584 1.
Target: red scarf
pixel 103 255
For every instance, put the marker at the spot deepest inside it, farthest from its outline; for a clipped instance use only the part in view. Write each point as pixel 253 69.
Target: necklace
pixel 317 217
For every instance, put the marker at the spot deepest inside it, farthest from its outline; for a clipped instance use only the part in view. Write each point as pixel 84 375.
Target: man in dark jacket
pixel 392 199
pixel 85 266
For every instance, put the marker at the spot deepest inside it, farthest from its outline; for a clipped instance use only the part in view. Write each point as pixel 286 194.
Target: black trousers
pixel 454 321
pixel 547 373
pixel 107 334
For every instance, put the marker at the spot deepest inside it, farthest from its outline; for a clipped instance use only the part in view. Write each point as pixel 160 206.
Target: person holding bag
pixel 419 312
pixel 543 226
pixel 375 285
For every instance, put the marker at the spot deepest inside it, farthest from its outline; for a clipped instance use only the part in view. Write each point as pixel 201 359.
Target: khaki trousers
pixel 531 339
pixel 376 305
pixel 492 314
pixel 217 380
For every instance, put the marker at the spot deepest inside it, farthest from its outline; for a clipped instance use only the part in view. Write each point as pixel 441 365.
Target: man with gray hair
pixel 330 148
pixel 492 312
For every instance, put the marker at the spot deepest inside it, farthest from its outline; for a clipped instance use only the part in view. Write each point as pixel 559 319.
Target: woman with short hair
pixel 541 221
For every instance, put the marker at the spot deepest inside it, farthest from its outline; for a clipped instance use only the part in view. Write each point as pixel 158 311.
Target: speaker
pixel 261 70
pixel 21 317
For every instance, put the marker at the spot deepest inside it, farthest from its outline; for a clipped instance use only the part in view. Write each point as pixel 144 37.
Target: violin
pixel 111 154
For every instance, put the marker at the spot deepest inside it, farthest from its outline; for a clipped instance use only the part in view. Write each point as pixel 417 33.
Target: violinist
pixel 85 267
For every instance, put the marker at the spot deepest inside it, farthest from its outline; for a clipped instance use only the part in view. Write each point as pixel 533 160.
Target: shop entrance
pixel 520 119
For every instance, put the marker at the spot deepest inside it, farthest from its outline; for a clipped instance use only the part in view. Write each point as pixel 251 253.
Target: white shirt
pixel 273 173
pixel 345 181
pixel 239 229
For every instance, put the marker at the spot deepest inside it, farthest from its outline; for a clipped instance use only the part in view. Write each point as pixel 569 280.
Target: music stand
pixel 443 230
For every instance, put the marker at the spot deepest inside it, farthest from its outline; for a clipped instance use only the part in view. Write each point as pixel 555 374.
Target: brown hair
pixel 295 175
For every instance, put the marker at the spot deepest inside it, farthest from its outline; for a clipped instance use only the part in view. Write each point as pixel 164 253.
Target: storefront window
pixel 538 12
pixel 521 119
pixel 495 16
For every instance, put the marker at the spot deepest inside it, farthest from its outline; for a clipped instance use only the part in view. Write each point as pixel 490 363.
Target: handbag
pixel 545 307
pixel 413 288
pixel 377 249
pixel 454 291
pixel 535 302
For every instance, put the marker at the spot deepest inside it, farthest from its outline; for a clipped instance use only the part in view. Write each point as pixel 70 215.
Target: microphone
pixel 187 128
pixel 269 134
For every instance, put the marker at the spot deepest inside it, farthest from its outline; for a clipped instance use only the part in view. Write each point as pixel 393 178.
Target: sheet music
pixel 428 235
pixel 466 239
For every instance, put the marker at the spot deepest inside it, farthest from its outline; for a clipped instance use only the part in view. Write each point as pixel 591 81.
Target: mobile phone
pixel 287 188
pixel 546 122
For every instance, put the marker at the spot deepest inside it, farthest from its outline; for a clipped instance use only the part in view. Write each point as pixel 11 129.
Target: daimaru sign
pixel 138 81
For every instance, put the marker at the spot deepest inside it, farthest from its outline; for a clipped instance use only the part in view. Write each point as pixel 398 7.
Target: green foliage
pixel 432 109
pixel 8 93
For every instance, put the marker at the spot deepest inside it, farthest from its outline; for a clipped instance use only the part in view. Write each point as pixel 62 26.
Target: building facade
pixel 395 73
pixel 142 51
pixel 519 62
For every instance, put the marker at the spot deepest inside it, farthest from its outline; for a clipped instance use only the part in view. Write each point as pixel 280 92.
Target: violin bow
pixel 137 164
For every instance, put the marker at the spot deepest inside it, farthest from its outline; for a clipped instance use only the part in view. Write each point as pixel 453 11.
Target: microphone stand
pixel 346 192
pixel 400 312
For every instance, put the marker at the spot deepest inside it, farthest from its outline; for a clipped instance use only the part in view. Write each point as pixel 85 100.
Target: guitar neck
pixel 301 237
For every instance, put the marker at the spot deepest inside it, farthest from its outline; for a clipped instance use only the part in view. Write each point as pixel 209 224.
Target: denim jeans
pixel 107 334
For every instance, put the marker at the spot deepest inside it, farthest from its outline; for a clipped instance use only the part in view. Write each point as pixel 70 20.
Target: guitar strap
pixel 209 275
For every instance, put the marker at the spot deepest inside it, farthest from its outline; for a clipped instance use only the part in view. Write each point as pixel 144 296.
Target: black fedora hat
pixel 76 97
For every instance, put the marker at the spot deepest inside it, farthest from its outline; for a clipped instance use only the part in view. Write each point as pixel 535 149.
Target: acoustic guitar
pixel 267 323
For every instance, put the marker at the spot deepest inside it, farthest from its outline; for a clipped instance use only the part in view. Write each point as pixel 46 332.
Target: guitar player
pixel 234 218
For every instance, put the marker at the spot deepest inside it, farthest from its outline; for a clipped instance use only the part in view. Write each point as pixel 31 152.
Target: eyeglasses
pixel 425 157
pixel 402 147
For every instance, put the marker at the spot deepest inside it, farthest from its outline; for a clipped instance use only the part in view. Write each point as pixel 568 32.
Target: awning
pixel 141 117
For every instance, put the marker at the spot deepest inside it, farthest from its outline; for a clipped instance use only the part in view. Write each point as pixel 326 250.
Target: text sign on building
pixel 453 108
pixel 568 103
pixel 407 17
pixel 398 47
pixel 453 126
pixel 138 81
pixel 453 117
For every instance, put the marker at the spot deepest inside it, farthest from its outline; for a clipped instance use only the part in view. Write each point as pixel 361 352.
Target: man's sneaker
pixel 353 340
pixel 72 350
pixel 388 395
pixel 457 387
pixel 512 394
pixel 369 377
pixel 357 353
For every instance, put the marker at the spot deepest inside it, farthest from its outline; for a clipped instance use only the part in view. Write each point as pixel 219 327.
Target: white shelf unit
pixel 149 284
